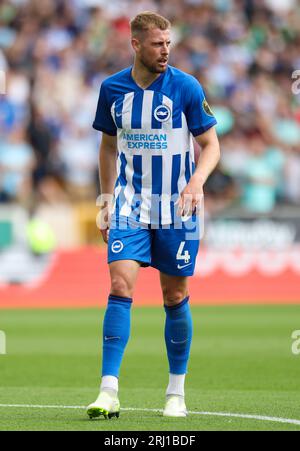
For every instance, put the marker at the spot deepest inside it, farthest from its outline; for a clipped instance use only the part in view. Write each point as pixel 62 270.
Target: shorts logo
pixel 117 246
pixel 183 266
pixel 162 113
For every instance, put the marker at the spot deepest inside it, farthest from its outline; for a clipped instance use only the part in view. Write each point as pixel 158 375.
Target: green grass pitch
pixel 241 362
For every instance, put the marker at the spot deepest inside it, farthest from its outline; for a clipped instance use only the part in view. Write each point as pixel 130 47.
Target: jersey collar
pixel 150 87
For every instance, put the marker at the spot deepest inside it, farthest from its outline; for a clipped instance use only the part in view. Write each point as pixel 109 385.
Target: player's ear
pixel 136 45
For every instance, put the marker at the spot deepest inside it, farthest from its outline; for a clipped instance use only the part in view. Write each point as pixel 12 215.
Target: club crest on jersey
pixel 117 246
pixel 206 108
pixel 162 113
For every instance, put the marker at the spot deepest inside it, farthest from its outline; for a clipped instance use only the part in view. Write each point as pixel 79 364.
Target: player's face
pixel 153 50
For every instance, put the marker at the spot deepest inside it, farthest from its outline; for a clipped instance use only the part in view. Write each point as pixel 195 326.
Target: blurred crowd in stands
pixel 55 54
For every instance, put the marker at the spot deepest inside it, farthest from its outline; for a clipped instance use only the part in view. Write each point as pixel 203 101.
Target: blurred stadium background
pixel 55 54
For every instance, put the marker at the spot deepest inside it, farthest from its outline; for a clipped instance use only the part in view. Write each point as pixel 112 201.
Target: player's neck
pixel 142 76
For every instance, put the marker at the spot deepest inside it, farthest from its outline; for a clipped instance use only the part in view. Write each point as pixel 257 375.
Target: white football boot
pixel 107 405
pixel 175 407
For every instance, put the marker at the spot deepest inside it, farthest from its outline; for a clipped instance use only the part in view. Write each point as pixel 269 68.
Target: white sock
pixel 109 383
pixel 176 384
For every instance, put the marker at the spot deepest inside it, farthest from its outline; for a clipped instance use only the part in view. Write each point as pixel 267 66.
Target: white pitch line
pixel 133 409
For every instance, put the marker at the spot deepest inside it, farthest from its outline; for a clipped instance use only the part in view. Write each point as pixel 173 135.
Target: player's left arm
pixel 192 195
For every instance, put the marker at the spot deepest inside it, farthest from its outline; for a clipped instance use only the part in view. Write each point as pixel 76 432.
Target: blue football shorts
pixel 171 249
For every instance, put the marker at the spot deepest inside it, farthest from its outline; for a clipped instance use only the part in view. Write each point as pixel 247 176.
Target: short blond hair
pixel 147 20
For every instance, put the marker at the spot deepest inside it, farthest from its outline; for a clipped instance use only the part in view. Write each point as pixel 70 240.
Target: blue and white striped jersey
pixel 154 129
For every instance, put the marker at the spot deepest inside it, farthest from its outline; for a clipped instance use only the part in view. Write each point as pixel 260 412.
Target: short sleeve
pixel 196 109
pixel 103 120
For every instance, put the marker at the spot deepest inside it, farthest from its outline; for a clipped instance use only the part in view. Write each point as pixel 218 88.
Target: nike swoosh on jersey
pixel 122 112
pixel 111 338
pixel 183 266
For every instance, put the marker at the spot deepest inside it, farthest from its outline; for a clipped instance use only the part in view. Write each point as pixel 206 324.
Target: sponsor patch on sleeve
pixel 206 108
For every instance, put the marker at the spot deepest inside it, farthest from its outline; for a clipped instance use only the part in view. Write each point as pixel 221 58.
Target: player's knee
pixel 120 286
pixel 173 296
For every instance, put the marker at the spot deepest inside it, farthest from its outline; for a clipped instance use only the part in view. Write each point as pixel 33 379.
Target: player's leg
pixel 127 250
pixel 174 254
pixel 178 337
pixel 116 331
pixel 116 324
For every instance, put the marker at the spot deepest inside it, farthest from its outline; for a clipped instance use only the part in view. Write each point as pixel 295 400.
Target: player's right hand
pixel 103 222
pixel 105 234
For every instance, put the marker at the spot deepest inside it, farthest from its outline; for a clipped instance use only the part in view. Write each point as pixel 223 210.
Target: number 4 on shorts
pixel 183 255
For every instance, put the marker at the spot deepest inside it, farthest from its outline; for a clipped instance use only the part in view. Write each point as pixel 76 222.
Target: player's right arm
pixel 107 156
pixel 107 177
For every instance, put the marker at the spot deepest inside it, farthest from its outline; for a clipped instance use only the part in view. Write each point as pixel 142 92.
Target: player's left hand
pixel 191 197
